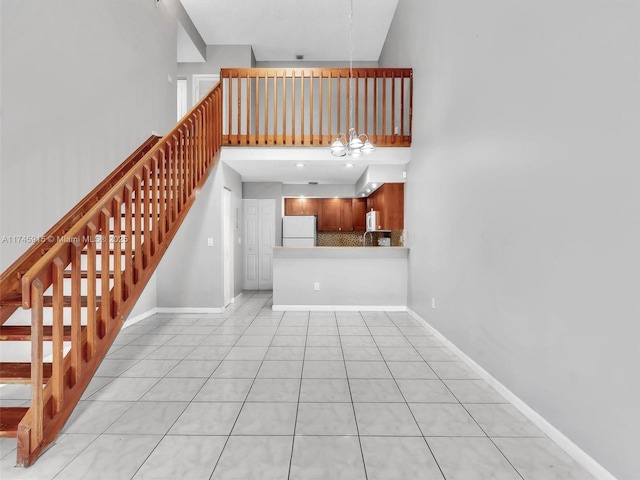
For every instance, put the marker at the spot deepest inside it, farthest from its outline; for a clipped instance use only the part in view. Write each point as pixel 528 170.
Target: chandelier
pixel 352 143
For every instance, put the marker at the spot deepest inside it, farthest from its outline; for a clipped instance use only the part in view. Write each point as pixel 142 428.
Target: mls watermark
pixel 64 239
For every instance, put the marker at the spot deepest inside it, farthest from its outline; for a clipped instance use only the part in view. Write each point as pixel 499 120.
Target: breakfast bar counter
pixel 340 278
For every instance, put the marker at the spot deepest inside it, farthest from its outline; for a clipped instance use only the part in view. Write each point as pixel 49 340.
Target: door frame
pixel 256 249
pixel 195 87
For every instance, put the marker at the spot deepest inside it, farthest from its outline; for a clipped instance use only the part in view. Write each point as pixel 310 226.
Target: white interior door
pixel 259 240
pixel 202 83
pixel 181 88
pixel 227 246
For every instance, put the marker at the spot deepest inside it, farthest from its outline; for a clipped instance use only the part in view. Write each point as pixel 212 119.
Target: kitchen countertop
pixel 340 252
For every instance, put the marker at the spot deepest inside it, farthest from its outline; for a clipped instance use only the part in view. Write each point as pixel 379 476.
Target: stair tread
pixel 10 418
pixel 18 333
pixel 11 301
pixel 20 372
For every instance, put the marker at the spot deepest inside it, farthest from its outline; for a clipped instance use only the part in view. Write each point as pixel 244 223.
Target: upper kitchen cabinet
pixel 301 206
pixel 349 214
pixel 342 215
pixel 359 214
pixel 388 200
pixel 330 215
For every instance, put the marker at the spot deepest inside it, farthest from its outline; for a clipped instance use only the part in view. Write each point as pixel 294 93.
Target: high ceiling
pixel 278 30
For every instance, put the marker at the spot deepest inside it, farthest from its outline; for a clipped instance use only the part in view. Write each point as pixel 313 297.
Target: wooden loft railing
pixel 109 251
pixel 310 106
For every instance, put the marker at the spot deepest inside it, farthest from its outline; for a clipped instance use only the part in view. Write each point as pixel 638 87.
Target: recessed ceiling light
pixel 368 190
pixel 363 195
pixel 349 165
pixel 374 185
pixel 299 165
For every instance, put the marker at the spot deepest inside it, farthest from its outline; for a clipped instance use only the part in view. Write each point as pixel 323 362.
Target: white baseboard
pixel 573 450
pixel 190 310
pixel 234 299
pixel 133 320
pixel 339 308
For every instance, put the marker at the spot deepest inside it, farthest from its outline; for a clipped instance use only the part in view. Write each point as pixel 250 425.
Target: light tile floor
pixel 255 394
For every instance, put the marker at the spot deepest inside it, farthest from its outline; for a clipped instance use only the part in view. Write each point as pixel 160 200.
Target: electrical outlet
pixel 210 242
pixel 316 286
pixel 433 302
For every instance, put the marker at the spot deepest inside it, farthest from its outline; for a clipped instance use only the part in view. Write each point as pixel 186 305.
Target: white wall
pixel 83 84
pixel 190 274
pixel 218 56
pixel 522 202
pixel 320 190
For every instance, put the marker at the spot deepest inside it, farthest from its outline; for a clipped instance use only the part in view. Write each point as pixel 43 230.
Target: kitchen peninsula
pixel 340 278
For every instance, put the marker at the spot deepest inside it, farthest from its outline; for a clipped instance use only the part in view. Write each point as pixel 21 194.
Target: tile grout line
pixel 353 407
pixel 123 413
pixel 459 402
pixel 187 406
pixel 295 424
pixel 120 416
pixel 132 402
pixel 248 391
pixel 404 398
pixel 75 456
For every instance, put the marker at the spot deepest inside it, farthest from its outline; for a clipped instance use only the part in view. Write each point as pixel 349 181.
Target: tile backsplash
pixel 354 239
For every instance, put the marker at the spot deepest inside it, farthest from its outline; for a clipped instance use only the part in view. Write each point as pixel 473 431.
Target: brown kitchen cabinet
pixel 301 206
pixel 359 213
pixel 349 214
pixel 346 215
pixel 388 200
pixel 330 215
pixel 337 215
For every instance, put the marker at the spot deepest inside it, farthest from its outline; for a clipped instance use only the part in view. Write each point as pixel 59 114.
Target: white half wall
pixel 522 202
pixel 356 278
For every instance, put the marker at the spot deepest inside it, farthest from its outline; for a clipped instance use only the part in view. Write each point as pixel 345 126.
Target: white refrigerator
pixel 299 231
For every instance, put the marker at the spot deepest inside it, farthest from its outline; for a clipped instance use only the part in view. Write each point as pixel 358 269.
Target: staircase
pixel 82 281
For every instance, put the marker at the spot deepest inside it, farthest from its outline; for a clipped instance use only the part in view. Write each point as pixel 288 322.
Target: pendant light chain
pixel 351 143
pixel 350 67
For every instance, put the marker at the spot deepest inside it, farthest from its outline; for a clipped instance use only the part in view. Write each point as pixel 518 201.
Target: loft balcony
pixel 290 107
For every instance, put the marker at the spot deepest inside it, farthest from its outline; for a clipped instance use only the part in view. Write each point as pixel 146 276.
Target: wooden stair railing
pixel 111 249
pixel 310 106
pixel 10 279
